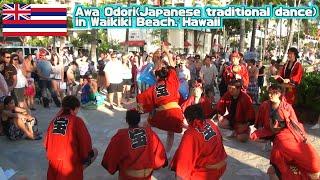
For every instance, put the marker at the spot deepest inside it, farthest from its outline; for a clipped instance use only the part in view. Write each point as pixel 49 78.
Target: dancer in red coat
pixel 200 155
pixel 161 100
pixel 68 143
pixel 135 151
pixel 292 156
pixel 236 71
pixel 290 75
pixel 240 111
pixel 205 100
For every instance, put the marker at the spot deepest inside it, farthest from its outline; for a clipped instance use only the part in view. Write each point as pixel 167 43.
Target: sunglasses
pixel 7 57
pixel 15 59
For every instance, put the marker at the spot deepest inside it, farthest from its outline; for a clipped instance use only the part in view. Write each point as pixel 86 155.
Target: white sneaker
pixel 317 126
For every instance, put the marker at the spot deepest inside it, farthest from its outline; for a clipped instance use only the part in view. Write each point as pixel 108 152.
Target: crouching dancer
pixel 240 111
pixel 292 156
pixel 200 155
pixel 68 143
pixel 135 151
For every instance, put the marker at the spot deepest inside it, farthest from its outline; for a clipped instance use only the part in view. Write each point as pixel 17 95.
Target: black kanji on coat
pixel 138 138
pixel 60 125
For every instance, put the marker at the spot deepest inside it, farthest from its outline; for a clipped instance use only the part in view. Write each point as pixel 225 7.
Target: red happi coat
pixel 134 149
pixel 68 145
pixel 262 122
pixel 291 148
pixel 200 146
pixel 244 112
pixel 295 78
pixel 205 103
pixel 228 74
pixel 162 93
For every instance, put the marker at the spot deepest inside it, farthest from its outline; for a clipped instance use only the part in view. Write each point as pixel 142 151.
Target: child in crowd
pixel 89 92
pixel 30 92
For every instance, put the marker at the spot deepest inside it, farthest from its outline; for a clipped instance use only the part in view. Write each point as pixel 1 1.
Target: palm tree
pixel 291 25
pixel 127 34
pixel 94 43
pixel 242 31
pixel 213 31
pixel 254 30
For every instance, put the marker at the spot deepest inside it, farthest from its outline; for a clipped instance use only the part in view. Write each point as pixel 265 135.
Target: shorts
pixel 127 82
pixel 14 132
pixel 19 94
pixel 115 88
pixel 253 88
pixel 2 99
pixel 30 91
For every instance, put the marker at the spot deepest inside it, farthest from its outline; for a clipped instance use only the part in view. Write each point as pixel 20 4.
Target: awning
pixel 187 43
pixel 137 43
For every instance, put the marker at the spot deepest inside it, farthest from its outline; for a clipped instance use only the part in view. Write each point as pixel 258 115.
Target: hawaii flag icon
pixel 34 20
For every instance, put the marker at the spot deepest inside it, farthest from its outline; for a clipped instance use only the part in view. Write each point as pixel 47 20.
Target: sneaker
pixel 317 126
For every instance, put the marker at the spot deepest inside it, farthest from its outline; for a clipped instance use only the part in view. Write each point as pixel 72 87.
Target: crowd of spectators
pixel 116 76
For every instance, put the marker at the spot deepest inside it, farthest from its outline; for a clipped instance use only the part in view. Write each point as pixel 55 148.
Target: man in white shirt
pixel 113 71
pixel 208 73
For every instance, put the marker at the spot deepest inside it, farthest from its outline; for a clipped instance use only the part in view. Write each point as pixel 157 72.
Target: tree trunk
pixel 54 47
pixel 127 41
pixel 94 46
pixel 195 39
pixel 204 41
pixel 266 25
pixel 254 31
pixel 62 41
pixel 242 31
pixel 242 35
pixel 185 38
pixel 212 41
pixel 291 32
pixel 127 35
pixel 94 33
pixel 253 35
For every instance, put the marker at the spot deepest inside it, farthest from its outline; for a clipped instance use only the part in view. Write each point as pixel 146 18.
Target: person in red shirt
pixel 161 100
pixel 68 143
pixel 205 100
pixel 200 155
pixel 236 71
pixel 292 156
pixel 135 151
pixel 291 75
pixel 240 111
pixel 262 122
